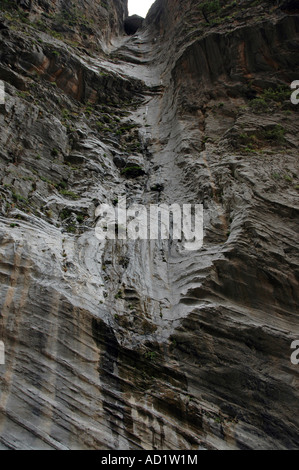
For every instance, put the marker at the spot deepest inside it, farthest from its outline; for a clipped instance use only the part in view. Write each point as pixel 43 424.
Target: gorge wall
pixel 142 344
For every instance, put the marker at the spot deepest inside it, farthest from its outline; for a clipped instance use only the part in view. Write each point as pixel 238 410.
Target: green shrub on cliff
pixel 210 6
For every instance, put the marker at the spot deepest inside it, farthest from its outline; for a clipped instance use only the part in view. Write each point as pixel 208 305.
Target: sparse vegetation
pixel 69 194
pixel 254 141
pixel 150 356
pixel 18 198
pixel 119 295
pixel 271 98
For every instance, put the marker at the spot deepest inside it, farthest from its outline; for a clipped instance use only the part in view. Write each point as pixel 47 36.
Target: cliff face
pixel 89 23
pixel 136 344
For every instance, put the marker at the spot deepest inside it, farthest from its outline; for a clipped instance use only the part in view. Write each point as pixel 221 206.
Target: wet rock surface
pixel 140 344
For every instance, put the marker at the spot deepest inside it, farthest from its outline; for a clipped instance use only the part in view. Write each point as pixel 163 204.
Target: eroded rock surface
pixel 136 344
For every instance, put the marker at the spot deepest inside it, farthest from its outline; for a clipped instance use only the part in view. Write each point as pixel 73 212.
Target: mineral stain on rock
pixel 138 344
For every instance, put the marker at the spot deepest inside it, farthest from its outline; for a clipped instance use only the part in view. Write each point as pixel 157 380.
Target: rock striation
pixel 127 344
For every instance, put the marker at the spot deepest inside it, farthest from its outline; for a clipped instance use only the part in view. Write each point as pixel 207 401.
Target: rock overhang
pixel 132 24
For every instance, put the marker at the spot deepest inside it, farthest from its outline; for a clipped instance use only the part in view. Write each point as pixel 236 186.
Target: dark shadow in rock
pixel 132 24
pixel 291 5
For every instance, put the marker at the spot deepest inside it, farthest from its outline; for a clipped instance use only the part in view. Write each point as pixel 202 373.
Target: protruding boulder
pixel 134 167
pixel 132 24
pixel 119 162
